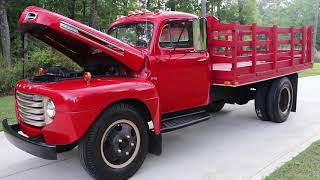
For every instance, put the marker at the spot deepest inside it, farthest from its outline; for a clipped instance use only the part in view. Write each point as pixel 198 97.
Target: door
pixel 183 74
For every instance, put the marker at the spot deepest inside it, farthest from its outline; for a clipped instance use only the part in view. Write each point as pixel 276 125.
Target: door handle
pixel 201 60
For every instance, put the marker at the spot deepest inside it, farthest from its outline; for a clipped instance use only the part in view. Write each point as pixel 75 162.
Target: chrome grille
pixel 31 109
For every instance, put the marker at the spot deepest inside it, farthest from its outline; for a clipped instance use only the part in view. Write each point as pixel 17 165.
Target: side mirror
pixel 200 34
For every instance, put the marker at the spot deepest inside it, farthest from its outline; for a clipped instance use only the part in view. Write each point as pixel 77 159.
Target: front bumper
pixel 34 146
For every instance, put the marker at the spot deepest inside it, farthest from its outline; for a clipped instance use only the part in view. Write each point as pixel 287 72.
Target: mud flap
pixel 294 78
pixel 155 143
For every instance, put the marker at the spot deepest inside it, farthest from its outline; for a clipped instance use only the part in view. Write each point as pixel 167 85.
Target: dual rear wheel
pixel 274 100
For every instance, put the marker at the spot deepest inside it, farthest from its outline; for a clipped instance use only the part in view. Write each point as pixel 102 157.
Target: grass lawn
pixel 312 72
pixel 7 109
pixel 305 166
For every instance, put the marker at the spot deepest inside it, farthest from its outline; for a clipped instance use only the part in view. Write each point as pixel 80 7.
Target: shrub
pixel 38 59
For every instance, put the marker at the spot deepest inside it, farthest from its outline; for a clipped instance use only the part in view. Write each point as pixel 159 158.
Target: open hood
pixel 76 40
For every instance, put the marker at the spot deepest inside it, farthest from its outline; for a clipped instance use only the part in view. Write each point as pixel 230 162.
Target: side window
pixel 176 35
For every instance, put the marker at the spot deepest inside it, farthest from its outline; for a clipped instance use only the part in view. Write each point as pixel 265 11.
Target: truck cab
pixel 167 38
pixel 150 73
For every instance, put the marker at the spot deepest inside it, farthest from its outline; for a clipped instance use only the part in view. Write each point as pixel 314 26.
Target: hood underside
pixel 76 40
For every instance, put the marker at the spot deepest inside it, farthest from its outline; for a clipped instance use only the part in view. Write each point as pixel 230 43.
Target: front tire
pixel 116 144
pixel 280 100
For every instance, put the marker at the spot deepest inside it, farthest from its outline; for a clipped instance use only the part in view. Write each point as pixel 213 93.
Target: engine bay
pixel 97 64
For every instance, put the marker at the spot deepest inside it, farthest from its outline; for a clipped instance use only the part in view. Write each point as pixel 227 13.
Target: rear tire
pixel 116 144
pixel 280 100
pixel 260 102
pixel 216 106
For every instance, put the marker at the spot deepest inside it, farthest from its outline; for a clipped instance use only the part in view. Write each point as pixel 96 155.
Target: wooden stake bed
pixel 244 54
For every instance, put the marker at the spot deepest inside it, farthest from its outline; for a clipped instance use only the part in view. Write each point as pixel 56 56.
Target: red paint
pixel 264 64
pixel 165 80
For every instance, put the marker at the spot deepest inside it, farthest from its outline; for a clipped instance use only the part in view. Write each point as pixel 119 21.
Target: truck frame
pixel 151 73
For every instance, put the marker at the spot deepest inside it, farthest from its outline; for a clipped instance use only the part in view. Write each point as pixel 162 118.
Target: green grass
pixel 311 72
pixel 305 166
pixel 7 109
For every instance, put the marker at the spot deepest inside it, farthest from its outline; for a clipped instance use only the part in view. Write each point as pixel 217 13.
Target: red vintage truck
pixel 151 73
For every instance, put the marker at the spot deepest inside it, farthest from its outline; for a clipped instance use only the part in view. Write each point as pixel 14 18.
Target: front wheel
pixel 116 144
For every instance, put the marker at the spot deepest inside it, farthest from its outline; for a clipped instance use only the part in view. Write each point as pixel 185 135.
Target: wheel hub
pixel 284 100
pixel 120 144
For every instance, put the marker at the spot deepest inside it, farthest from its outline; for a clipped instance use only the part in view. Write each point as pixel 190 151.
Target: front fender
pixel 141 90
pixel 78 104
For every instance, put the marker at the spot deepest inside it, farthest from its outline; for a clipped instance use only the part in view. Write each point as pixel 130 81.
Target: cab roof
pixel 153 17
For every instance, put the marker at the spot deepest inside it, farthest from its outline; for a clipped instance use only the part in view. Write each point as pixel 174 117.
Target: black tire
pixel 92 152
pixel 260 102
pixel 280 100
pixel 216 106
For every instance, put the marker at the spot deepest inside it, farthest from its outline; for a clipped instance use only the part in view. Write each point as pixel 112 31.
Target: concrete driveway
pixel 234 144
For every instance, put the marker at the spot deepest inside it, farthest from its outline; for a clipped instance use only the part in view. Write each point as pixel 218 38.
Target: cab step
pixel 185 120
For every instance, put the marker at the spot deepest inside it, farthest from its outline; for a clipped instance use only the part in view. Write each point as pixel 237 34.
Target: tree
pixel 5 33
pixel 71 8
pixel 248 11
pixel 171 4
pixel 315 33
pixel 93 13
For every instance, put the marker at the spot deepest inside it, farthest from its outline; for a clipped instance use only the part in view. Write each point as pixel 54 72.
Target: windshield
pixel 135 34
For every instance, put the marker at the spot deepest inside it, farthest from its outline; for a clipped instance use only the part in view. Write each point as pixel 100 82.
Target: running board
pixel 178 122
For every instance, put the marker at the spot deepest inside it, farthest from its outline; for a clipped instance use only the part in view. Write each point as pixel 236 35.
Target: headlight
pixel 50 109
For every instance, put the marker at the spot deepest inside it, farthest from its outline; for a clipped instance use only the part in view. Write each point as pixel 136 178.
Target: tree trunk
pixel 24 45
pixel 219 8
pixel 148 5
pixel 5 33
pixel 71 8
pixel 159 4
pixel 241 18
pixel 93 13
pixel 315 31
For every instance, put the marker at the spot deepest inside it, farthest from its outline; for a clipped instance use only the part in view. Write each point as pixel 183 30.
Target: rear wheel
pixel 216 106
pixel 280 100
pixel 116 144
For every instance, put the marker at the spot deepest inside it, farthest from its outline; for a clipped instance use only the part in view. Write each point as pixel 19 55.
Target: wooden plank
pixel 244 33
pixel 223 27
pixel 284 42
pixel 303 44
pixel 243 58
pixel 309 45
pixel 264 57
pixel 263 43
pixel 222 43
pixel 221 33
pixel 264 29
pixel 244 43
pixel 274 45
pixel 254 47
pixel 292 43
pixel 283 54
pixel 234 51
pixel 244 70
pixel 244 27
